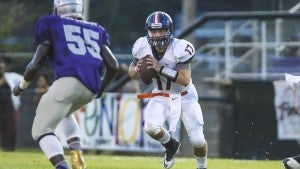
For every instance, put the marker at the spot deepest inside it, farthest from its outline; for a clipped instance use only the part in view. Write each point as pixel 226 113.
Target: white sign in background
pixel 114 123
pixel 287 107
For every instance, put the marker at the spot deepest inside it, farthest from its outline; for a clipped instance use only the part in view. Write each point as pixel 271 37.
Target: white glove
pixel 293 81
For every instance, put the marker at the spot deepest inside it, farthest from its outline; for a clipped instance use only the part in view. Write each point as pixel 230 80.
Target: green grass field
pixel 28 159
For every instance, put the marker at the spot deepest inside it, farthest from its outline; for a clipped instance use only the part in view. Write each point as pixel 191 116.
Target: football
pixel 146 74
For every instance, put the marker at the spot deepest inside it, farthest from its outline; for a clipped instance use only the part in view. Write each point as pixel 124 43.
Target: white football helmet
pixel 68 8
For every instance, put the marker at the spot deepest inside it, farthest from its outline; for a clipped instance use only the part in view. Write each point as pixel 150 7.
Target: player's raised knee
pixel 151 128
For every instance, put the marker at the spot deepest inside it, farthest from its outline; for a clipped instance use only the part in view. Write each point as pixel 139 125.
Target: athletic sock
pixel 74 144
pixel 62 165
pixel 51 146
pixel 201 161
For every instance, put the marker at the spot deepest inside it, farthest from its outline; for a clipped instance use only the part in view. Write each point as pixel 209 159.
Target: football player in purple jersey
pixel 78 51
pixel 174 96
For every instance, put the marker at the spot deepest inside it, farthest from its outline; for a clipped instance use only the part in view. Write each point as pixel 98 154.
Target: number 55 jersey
pixel 76 47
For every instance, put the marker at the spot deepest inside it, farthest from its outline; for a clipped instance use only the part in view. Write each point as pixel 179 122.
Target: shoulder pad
pixel 183 50
pixel 139 44
pixel 42 28
pixel 49 18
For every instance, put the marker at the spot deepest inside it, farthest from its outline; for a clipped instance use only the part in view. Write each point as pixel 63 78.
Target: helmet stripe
pixel 156 20
pixel 157 17
pixel 153 18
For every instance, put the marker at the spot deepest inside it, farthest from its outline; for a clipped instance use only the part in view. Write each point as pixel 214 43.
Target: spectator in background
pixel 293 51
pixel 9 107
pixel 42 86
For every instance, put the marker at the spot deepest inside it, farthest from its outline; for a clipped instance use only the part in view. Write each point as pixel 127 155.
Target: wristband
pixel 169 73
pixel 24 84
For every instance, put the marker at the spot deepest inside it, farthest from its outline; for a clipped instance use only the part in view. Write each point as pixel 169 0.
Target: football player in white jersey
pixel 174 96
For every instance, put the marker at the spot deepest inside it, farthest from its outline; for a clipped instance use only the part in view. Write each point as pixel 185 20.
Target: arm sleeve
pixel 105 37
pixel 42 33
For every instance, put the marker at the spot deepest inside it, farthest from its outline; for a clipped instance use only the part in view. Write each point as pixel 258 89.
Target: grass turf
pixel 35 159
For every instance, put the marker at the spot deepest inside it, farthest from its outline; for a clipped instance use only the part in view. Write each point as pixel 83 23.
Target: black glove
pixel 17 90
pixel 99 95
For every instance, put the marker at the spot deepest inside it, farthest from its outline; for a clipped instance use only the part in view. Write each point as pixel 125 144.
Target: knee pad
pixel 197 141
pixel 151 129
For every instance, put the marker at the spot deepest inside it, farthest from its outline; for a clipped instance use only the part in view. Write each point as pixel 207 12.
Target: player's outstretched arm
pixel 111 65
pixel 37 61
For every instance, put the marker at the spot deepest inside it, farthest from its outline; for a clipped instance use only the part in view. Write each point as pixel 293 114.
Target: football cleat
pixel 169 158
pixel 291 163
pixel 77 160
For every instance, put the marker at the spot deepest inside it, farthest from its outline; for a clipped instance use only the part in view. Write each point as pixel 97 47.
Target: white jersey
pixel 178 51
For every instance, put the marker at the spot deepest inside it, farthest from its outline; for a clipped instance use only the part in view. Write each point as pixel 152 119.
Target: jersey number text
pixel 81 41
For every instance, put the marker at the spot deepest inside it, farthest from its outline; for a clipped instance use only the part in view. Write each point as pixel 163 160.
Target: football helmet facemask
pixel 159 20
pixel 68 8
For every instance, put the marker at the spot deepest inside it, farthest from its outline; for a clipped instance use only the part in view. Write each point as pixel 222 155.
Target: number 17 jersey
pixel 75 48
pixel 179 51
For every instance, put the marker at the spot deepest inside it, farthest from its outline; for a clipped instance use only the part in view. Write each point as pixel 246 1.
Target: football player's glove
pixel 17 90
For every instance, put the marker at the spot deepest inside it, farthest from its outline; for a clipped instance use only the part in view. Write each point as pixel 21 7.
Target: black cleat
pixel 171 148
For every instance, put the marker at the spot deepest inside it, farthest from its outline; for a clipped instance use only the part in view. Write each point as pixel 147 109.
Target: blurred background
pixel 123 20
pixel 242 48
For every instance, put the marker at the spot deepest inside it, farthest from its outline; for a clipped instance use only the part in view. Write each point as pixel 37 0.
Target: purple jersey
pixel 76 48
